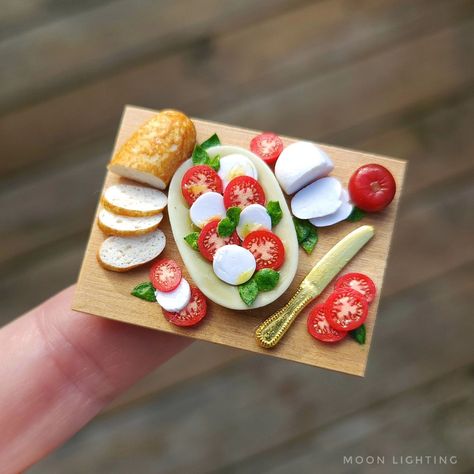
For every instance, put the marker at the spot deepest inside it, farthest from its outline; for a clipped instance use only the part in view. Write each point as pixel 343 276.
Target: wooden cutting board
pixel 107 294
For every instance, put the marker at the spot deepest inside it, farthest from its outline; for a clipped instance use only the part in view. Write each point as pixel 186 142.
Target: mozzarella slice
pixel 252 218
pixel 206 207
pixel 235 165
pixel 301 163
pixel 341 214
pixel 318 199
pixel 176 300
pixel 234 264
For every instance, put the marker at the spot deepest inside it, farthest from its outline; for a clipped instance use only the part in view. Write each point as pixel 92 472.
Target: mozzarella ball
pixel 318 199
pixel 206 207
pixel 234 264
pixel 235 165
pixel 301 163
pixel 175 300
pixel 252 218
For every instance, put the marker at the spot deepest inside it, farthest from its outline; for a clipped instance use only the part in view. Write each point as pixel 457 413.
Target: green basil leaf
pixel 310 241
pixel 145 291
pixel 248 291
pixel 225 227
pixel 359 334
pixel 275 212
pixel 233 213
pixel 303 229
pixel 213 140
pixel 228 224
pixel 192 240
pixel 215 163
pixel 356 215
pixel 200 156
pixel 266 279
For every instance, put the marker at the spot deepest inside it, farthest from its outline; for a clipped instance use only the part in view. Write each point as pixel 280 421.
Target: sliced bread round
pixel 121 254
pixel 135 201
pixel 126 226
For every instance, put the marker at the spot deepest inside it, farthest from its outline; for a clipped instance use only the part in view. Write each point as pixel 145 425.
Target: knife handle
pixel 270 332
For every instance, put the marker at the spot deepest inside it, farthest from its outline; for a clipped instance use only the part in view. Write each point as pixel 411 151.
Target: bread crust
pixel 128 212
pixel 125 233
pixel 158 147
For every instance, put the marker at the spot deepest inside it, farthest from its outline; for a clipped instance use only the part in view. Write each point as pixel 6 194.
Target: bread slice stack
pixel 131 215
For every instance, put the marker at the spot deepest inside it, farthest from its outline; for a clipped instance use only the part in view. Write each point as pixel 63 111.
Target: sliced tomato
pixel 357 282
pixel 345 310
pixel 209 240
pixel 243 191
pixel 266 247
pixel 165 275
pixel 372 187
pixel 267 146
pixel 193 313
pixel 319 327
pixel 198 180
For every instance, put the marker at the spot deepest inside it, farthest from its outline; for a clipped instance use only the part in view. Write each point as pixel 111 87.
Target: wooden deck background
pixel 393 77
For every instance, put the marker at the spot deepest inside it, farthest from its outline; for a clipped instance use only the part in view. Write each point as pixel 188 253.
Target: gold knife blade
pixel 270 332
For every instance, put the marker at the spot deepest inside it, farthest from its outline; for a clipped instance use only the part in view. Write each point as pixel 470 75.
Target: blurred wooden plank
pixel 261 403
pixel 17 16
pixel 431 420
pixel 206 77
pixel 439 145
pixel 412 73
pixel 97 40
pixel 433 234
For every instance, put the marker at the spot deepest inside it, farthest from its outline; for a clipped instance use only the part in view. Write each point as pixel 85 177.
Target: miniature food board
pixel 108 294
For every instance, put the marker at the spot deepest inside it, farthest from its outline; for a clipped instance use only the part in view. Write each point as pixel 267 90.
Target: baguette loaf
pixel 156 150
pixel 126 226
pixel 121 254
pixel 135 201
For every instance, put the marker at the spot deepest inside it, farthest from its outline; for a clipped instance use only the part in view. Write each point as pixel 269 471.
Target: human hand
pixel 59 368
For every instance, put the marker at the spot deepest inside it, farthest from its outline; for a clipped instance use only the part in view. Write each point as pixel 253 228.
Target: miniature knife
pixel 270 332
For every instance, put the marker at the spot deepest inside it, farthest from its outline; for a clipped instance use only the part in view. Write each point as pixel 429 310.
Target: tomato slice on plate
pixel 357 282
pixel 209 240
pixel 345 310
pixel 193 313
pixel 243 191
pixel 266 247
pixel 198 180
pixel 319 327
pixel 165 275
pixel 372 187
pixel 267 146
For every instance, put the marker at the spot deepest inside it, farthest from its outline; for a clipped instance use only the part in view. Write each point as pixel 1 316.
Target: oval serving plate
pixel 199 268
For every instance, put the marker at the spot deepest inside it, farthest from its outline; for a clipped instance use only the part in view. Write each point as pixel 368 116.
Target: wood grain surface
pixel 107 294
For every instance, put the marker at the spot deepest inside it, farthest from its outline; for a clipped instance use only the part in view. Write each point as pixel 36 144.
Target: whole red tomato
pixel 372 187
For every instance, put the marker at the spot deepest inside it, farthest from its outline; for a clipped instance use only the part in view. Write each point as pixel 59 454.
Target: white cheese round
pixel 206 207
pixel 234 264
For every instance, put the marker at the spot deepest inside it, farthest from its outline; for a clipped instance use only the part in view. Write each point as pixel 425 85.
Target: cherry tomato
pixel 267 146
pixel 193 313
pixel 266 247
pixel 345 310
pixel 357 282
pixel 320 329
pixel 243 191
pixel 372 187
pixel 198 180
pixel 209 240
pixel 165 275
